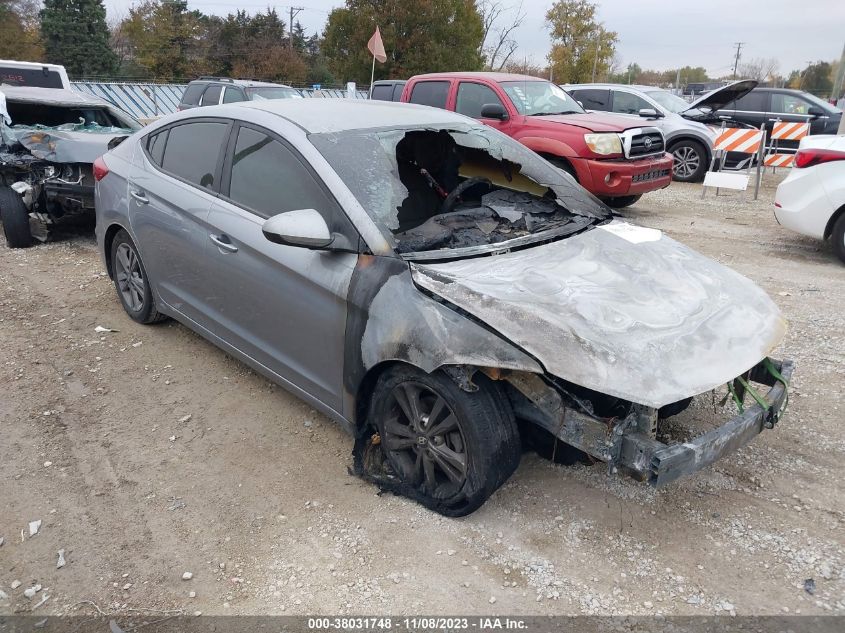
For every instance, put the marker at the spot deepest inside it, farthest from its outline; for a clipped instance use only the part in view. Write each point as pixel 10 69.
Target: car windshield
pixel 50 115
pixel 533 98
pixel 261 94
pixel 444 190
pixel 668 101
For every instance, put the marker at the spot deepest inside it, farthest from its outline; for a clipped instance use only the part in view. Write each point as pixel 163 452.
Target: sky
pixel 656 34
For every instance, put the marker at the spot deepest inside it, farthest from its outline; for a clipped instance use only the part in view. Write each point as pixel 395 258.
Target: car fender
pixel 545 145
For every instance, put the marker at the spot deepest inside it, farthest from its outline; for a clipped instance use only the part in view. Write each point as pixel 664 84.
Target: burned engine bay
pixel 457 188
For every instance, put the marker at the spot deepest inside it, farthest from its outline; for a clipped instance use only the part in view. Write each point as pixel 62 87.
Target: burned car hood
pixel 704 106
pixel 67 146
pixel 620 309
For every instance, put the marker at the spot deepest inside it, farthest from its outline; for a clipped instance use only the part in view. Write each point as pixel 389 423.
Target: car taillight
pixel 101 170
pixel 810 157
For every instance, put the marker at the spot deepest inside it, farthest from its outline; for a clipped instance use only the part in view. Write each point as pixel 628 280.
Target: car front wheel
pixel 131 281
pixel 690 161
pixel 15 218
pixel 837 236
pixel 450 449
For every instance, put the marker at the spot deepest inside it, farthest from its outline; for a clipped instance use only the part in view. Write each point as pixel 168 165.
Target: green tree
pixel 75 35
pixel 818 79
pixel 419 36
pixel 19 33
pixel 582 49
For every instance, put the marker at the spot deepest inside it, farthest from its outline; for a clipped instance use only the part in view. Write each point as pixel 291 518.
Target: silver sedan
pixel 445 294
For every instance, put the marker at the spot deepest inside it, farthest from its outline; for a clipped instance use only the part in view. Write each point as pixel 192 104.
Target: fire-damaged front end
pixel 51 169
pixel 628 326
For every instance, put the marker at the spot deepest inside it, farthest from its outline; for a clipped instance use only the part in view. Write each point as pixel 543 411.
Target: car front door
pixel 170 195
pixel 471 96
pixel 283 306
pixel 792 108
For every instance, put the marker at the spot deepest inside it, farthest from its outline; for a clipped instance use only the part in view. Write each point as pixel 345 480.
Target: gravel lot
pixel 147 453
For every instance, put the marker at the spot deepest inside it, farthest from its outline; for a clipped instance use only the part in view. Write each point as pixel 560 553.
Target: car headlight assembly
pixel 604 144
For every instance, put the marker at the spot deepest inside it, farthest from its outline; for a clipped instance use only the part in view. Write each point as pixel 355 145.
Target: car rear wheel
pixel 131 281
pixel 690 161
pixel 837 236
pixel 15 218
pixel 620 202
pixel 449 448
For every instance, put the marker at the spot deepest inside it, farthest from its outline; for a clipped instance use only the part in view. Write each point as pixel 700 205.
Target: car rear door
pixel 430 92
pixel 282 306
pixel 592 98
pixel 170 195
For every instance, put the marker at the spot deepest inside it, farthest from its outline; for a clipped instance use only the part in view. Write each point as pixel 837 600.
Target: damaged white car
pixel 437 288
pixel 49 140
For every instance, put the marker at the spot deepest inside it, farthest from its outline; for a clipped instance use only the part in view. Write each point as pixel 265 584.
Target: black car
pixel 766 106
pixel 207 91
pixel 387 89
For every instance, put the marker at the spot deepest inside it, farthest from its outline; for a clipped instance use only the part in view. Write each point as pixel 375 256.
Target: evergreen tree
pixel 75 35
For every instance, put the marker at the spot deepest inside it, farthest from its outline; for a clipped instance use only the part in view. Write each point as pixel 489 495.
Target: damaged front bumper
pixel 629 444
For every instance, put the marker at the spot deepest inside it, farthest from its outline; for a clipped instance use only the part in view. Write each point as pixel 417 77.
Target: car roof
pixel 249 83
pixel 340 115
pixel 55 96
pixel 640 87
pixel 390 81
pixel 497 77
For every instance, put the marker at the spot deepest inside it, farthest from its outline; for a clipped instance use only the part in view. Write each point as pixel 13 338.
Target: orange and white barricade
pixel 749 141
pixel 790 130
pixel 779 160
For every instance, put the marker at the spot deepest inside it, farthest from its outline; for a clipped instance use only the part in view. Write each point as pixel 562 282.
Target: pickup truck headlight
pixel 607 143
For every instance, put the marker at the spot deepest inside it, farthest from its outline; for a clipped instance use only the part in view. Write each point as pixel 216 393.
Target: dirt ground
pixel 147 453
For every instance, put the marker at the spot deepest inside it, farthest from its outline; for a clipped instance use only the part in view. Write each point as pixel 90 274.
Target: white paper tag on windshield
pixel 632 233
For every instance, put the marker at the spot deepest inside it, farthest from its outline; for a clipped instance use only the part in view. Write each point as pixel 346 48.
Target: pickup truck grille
pixel 646 144
pixel 654 174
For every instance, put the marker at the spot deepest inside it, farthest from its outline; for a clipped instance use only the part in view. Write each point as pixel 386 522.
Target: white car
pixel 811 200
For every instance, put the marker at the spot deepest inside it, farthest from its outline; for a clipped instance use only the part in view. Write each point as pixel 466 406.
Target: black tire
pixel 478 427
pixel 837 237
pixel 15 218
pixel 620 202
pixel 133 289
pixel 690 161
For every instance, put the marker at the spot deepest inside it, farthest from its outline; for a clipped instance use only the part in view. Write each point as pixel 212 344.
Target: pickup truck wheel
pixel 620 202
pixel 15 218
pixel 690 161
pixel 449 448
pixel 131 281
pixel 837 236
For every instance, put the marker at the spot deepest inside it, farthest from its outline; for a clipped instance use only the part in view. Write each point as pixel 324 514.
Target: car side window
pixel 593 99
pixel 382 93
pixel 211 96
pixel 155 146
pixel 628 103
pixel 233 95
pixel 752 102
pixel 193 149
pixel 397 92
pixel 430 93
pixel 267 178
pixel 192 94
pixel 472 96
pixel 783 103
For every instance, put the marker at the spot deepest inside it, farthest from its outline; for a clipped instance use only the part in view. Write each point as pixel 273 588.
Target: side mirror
pixel 494 111
pixel 650 113
pixel 305 228
pixel 815 111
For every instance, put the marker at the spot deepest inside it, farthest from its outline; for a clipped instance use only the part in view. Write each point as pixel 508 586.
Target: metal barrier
pixel 147 101
pixel 742 140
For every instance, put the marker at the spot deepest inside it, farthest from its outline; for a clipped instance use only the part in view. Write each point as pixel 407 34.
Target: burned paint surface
pixel 66 145
pixel 620 309
pixel 390 319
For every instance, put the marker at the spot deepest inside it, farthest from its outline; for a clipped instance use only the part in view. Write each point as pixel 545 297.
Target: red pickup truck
pixel 612 156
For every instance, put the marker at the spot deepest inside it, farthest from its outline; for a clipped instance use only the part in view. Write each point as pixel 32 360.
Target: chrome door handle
pixel 139 196
pixel 221 241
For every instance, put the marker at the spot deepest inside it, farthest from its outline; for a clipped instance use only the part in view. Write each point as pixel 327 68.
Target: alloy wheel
pixel 130 277
pixel 423 438
pixel 687 162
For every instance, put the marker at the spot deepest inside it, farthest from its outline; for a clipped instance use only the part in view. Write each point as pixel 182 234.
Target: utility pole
pixel 804 74
pixel 839 82
pixel 294 11
pixel 629 74
pixel 736 59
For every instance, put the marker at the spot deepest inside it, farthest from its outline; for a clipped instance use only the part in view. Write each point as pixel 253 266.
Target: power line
pixel 736 59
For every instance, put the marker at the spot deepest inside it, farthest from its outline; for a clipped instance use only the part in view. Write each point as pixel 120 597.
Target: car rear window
pixel 430 93
pixel 192 94
pixel 34 77
pixel 192 151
